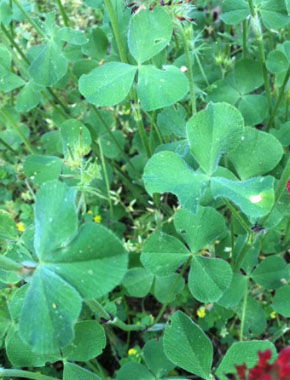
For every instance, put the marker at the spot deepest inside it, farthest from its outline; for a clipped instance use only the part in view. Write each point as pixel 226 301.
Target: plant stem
pixel 141 129
pixel 189 67
pixel 248 244
pixel 171 290
pixel 278 101
pixel 244 308
pixel 244 39
pixel 259 40
pixel 29 19
pixel 17 130
pixel 280 188
pixel 8 146
pixel 17 373
pixel 106 182
pixel 116 30
pixel 237 216
pixel 62 12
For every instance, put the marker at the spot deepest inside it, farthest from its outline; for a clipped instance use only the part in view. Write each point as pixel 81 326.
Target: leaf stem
pixel 237 216
pixel 189 67
pixel 244 308
pixel 29 19
pixel 171 290
pixel 244 39
pixel 248 244
pixel 259 39
pixel 116 30
pixel 17 130
pixel 62 12
pixel 17 373
pixel 106 182
pixel 278 101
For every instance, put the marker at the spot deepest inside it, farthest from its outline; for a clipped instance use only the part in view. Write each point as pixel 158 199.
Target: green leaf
pixel 234 11
pixel 270 272
pixel 255 196
pixel 209 278
pixel 240 353
pixel 5 55
pixel 160 88
pixel 281 301
pixel 40 168
pixel 9 81
pixel 50 309
pixel 73 372
pixel 7 226
pixel 77 136
pixel 163 286
pixel 28 97
pixel 254 109
pixel 94 262
pixel 72 36
pixel 277 62
pixel 255 321
pixel 107 85
pixel 233 295
pixel 109 146
pixel 187 346
pixel 97 45
pixel 20 354
pixel 200 229
pixel 274 14
pixel 258 153
pixel 137 282
pixel 212 132
pixel 149 32
pixel 89 342
pixel 49 66
pixel 155 358
pixel 162 254
pixel 167 172
pixel 248 76
pixel 55 217
pixel 134 371
pixel 171 120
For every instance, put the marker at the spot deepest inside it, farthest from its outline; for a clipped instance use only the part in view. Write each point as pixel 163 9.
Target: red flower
pixel 288 187
pixel 279 370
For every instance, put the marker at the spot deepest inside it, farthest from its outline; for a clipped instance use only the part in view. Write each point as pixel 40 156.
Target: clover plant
pixel 145 184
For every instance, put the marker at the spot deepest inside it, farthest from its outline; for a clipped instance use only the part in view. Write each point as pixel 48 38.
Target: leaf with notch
pixel 212 132
pixel 149 32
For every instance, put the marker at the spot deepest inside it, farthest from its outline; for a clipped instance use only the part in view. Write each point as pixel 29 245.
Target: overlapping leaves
pixel 211 133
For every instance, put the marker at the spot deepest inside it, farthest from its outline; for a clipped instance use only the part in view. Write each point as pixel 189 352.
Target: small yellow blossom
pixel 201 312
pixel 90 212
pixel 20 226
pixel 132 352
pixel 273 315
pixel 97 219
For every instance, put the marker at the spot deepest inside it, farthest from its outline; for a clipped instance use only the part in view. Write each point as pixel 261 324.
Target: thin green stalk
pixel 248 244
pixel 278 101
pixel 62 12
pixel 279 189
pixel 14 44
pixel 237 216
pixel 96 307
pixel 17 130
pixel 287 106
pixel 244 308
pixel 123 326
pixel 141 130
pixel 106 182
pixel 104 123
pixel 116 30
pixel 171 290
pixel 261 51
pixel 244 39
pixel 29 19
pixel 18 373
pixel 8 146
pixel 189 67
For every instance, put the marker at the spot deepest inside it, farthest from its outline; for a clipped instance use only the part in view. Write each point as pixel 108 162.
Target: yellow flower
pixel 20 226
pixel 201 312
pixel 273 315
pixel 132 352
pixel 97 219
pixel 90 212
